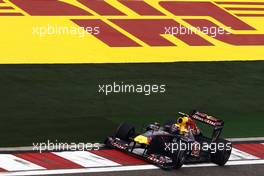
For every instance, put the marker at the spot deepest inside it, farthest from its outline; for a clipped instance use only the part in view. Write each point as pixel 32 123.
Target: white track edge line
pixel 246 139
pixel 6 149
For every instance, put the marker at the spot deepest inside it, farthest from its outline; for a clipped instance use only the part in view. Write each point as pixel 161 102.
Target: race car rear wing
pixel 207 119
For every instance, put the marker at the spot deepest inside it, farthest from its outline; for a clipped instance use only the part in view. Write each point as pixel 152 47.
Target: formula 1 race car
pixel 175 143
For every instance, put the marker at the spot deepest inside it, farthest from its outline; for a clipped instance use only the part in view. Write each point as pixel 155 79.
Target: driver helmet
pixel 182 124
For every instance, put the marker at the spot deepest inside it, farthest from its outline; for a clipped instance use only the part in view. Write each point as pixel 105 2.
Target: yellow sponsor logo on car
pixel 141 139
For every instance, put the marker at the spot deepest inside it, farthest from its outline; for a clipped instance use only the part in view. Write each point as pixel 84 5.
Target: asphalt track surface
pixel 244 170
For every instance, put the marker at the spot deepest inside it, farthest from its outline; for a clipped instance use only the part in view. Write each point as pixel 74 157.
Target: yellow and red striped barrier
pixel 114 31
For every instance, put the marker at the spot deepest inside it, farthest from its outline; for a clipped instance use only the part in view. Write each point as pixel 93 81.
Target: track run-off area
pixel 107 160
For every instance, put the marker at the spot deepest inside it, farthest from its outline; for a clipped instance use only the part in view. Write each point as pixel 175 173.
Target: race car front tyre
pixel 222 153
pixel 125 131
pixel 157 146
pixel 178 158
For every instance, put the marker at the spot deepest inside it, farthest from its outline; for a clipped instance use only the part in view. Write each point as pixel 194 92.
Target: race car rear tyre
pixel 125 131
pixel 221 156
